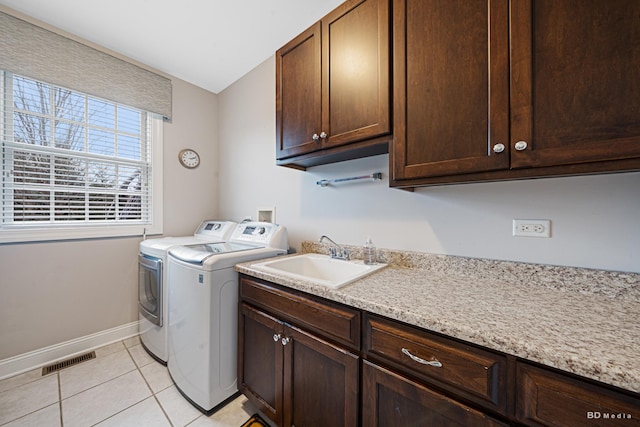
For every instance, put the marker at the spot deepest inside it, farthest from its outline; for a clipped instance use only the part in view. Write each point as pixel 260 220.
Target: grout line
pixel 143 378
pixel 153 394
pixel 60 398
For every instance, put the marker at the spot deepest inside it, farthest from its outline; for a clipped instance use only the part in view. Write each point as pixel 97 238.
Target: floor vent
pixel 68 362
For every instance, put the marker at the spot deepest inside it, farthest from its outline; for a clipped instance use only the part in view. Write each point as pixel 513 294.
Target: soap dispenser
pixel 370 255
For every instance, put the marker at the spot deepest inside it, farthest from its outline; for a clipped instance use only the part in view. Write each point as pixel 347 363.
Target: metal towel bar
pixel 325 182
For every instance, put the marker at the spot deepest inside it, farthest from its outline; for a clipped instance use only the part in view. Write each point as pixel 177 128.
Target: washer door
pixel 150 288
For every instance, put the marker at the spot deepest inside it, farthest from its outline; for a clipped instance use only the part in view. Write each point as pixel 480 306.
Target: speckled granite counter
pixel 582 321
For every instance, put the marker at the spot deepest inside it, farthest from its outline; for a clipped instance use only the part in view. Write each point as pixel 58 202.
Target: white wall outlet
pixel 532 227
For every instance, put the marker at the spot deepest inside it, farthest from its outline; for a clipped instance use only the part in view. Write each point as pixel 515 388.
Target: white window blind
pixel 72 160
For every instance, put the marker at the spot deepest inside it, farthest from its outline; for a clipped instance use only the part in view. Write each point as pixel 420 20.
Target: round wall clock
pixel 189 158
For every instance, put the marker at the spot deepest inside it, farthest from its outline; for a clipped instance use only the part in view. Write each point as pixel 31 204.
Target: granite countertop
pixel 578 320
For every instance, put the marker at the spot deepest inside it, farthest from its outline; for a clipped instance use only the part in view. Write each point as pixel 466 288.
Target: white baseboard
pixel 44 356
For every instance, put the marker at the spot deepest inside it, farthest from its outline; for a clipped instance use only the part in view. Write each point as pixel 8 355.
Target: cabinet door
pixel 298 95
pixel 260 361
pixel 575 90
pixel 450 87
pixel 545 398
pixel 390 400
pixel 355 75
pixel 320 382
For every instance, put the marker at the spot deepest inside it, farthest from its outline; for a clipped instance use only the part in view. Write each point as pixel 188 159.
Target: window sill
pixel 75 233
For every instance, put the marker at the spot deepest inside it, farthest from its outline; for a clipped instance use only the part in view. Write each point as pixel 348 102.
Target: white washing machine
pixel 153 284
pixel 203 311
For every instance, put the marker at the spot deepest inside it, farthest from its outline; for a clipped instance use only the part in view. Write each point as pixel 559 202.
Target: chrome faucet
pixel 337 252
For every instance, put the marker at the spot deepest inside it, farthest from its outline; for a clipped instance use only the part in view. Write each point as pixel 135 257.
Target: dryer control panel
pixel 215 230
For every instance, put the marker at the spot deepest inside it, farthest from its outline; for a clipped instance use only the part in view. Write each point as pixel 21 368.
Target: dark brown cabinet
pixel 472 373
pixel 295 377
pixel 451 95
pixel 389 399
pixel 545 398
pixel 491 89
pixel 307 361
pixel 260 361
pixel 333 88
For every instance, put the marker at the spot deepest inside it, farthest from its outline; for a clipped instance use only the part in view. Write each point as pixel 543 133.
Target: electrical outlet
pixel 532 227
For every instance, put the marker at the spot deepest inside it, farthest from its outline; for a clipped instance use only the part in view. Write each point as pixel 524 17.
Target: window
pixel 74 165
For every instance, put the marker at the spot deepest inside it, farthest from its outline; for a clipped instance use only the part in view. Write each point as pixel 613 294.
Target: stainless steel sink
pixel 319 269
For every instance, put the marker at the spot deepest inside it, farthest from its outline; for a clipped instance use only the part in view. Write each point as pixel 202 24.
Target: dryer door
pixel 150 288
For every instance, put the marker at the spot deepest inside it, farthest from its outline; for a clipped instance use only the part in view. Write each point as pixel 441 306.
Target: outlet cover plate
pixel 532 227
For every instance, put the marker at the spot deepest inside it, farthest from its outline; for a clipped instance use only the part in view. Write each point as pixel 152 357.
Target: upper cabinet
pixel 333 88
pixel 492 89
pixel 575 87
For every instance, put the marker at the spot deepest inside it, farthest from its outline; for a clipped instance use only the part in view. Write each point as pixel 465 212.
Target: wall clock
pixel 189 158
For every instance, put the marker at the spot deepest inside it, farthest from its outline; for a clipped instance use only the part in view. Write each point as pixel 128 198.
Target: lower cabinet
pixel 546 398
pixel 389 399
pixel 260 361
pixel 295 377
pixel 307 361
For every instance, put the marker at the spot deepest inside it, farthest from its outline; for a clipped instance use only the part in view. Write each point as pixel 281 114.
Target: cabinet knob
pixel 323 135
pixel 498 148
pixel 315 137
pixel 276 337
pixel 521 145
pixel 285 340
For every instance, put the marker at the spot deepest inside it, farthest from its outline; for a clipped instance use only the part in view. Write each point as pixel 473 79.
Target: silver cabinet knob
pixel 323 135
pixel 521 145
pixel 276 337
pixel 285 340
pixel 498 148
pixel 315 137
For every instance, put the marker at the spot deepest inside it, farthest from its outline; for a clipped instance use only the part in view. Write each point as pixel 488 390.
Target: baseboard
pixel 44 356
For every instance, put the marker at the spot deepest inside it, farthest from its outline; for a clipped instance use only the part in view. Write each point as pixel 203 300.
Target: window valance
pixel 33 51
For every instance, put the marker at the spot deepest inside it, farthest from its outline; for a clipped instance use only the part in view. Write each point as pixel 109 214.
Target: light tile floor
pixel 123 386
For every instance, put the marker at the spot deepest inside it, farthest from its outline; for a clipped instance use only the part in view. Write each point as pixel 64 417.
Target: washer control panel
pixel 260 233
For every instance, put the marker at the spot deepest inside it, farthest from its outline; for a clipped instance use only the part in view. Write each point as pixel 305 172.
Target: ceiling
pixel 209 43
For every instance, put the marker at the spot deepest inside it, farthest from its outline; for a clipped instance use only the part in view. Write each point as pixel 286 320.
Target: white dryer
pixel 153 285
pixel 203 311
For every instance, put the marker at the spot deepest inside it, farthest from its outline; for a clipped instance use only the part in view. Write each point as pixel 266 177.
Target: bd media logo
pixel 595 415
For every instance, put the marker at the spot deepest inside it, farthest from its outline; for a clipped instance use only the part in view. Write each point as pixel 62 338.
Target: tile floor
pixel 122 386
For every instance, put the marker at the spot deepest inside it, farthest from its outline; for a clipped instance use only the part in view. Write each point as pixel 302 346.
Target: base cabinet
pixel 260 361
pixel 545 398
pixel 320 382
pixel 389 399
pixel 293 376
pixel 307 361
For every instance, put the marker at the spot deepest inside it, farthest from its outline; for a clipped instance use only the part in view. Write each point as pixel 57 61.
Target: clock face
pixel 189 158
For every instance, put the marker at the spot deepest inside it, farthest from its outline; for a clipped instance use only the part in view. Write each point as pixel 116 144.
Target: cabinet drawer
pixel 331 320
pixel 546 398
pixel 470 372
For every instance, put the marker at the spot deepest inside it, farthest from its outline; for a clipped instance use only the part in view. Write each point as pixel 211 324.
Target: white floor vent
pixel 68 362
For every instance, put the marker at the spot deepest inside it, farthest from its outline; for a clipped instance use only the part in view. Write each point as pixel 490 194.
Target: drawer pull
pixel 435 363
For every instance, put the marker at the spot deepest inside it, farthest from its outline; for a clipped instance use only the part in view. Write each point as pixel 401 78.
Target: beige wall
pixel 57 291
pixel 594 218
